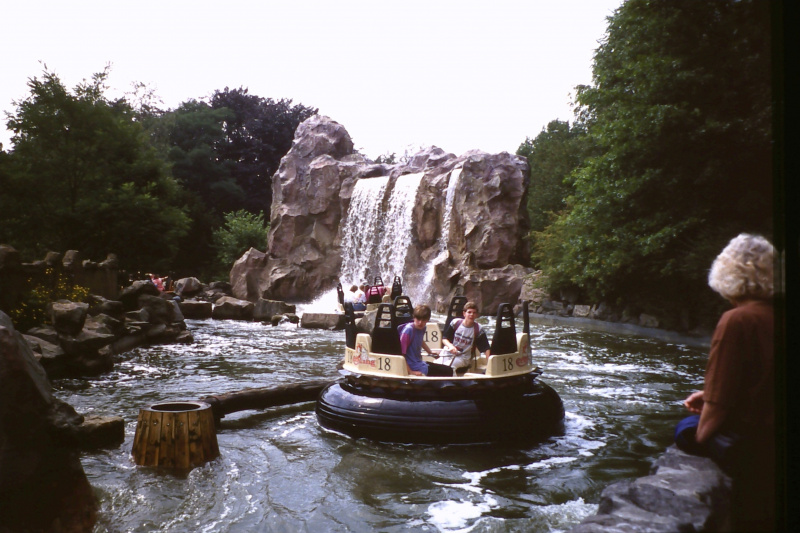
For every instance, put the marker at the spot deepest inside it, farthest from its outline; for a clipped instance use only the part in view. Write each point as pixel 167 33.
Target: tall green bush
pixel 241 231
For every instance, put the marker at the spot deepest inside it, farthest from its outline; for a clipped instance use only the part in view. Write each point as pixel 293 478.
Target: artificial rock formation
pixel 312 192
pixel 42 484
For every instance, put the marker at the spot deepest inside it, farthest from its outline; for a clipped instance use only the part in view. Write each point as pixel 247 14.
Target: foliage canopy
pixel 680 112
pixel 83 176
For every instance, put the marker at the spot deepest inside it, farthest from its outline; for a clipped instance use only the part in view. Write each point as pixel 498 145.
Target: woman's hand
pixel 694 403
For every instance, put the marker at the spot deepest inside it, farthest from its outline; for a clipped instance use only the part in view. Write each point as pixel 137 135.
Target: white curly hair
pixel 744 269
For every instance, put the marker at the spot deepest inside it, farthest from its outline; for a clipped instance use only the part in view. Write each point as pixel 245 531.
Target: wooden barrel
pixel 175 435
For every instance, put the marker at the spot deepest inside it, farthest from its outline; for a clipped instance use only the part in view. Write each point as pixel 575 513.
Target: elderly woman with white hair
pixel 736 404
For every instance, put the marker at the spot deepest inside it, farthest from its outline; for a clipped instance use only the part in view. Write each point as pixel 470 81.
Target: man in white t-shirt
pixel 461 336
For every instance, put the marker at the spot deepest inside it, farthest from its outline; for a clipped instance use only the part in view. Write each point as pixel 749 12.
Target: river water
pixel 279 471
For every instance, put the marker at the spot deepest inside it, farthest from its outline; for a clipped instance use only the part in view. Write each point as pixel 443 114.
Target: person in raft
pixel 734 414
pixel 360 299
pixel 412 335
pixel 460 338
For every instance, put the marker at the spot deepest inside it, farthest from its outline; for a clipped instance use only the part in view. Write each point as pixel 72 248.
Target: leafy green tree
pixel 241 231
pixel 258 133
pixel 552 156
pixel 82 175
pixel 680 110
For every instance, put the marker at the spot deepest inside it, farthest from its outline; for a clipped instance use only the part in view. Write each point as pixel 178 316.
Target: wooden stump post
pixel 175 435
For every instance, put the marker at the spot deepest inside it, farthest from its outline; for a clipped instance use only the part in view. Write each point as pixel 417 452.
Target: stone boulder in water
pixel 42 484
pixel 444 224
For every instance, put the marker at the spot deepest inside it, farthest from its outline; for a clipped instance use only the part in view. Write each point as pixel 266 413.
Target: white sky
pixel 396 74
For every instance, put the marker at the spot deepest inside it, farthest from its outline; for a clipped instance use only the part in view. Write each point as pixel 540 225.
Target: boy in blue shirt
pixel 412 342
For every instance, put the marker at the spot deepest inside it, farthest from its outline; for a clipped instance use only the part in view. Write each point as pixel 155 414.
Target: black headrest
pixel 350 325
pixel 397 288
pixel 505 331
pixel 456 309
pixel 385 338
pixel 403 311
pixel 378 281
pixel 340 293
pixel 526 319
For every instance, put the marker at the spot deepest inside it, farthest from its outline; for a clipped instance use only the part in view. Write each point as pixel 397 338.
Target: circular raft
pixel 458 411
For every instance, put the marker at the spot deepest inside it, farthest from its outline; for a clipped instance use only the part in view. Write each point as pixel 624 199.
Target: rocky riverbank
pixel 682 493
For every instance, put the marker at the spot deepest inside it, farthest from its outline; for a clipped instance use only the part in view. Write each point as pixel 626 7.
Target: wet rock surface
pixel 682 493
pixel 312 191
pixel 42 484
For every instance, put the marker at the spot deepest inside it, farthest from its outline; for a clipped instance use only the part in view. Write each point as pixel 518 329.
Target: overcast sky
pixel 396 74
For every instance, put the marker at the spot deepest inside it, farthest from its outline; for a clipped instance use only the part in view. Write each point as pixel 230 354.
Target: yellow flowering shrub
pixel 32 310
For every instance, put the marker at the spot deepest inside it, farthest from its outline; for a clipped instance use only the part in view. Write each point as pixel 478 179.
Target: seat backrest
pixel 526 318
pixel 375 292
pixel 456 309
pixel 385 338
pixel 505 332
pixel 350 331
pixel 397 288
pixel 403 311
pixel 340 293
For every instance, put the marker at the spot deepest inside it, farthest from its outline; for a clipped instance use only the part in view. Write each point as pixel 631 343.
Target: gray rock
pixel 45 332
pixel 266 309
pixel 98 431
pixel 110 262
pixel 648 321
pixel 98 305
pixel 322 321
pixel 196 309
pixel 247 273
pixel 42 484
pixel 490 288
pixel 229 308
pixel 68 317
pixel 130 295
pixel 683 493
pixel 159 310
pixel 583 311
pixel 188 287
pixel 72 261
pixel 311 196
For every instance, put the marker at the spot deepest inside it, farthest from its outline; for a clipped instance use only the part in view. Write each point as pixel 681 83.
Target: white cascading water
pixel 396 235
pixel 375 242
pixel 361 230
pixel 423 289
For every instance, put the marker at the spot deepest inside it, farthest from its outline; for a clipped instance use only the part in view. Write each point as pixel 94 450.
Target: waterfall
pixel 375 239
pixel 396 235
pixel 374 242
pixel 424 289
pixel 363 225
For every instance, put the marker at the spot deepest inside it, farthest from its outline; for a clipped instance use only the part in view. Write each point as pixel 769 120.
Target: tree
pixel 83 176
pixel 552 156
pixel 680 109
pixel 241 231
pixel 258 133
